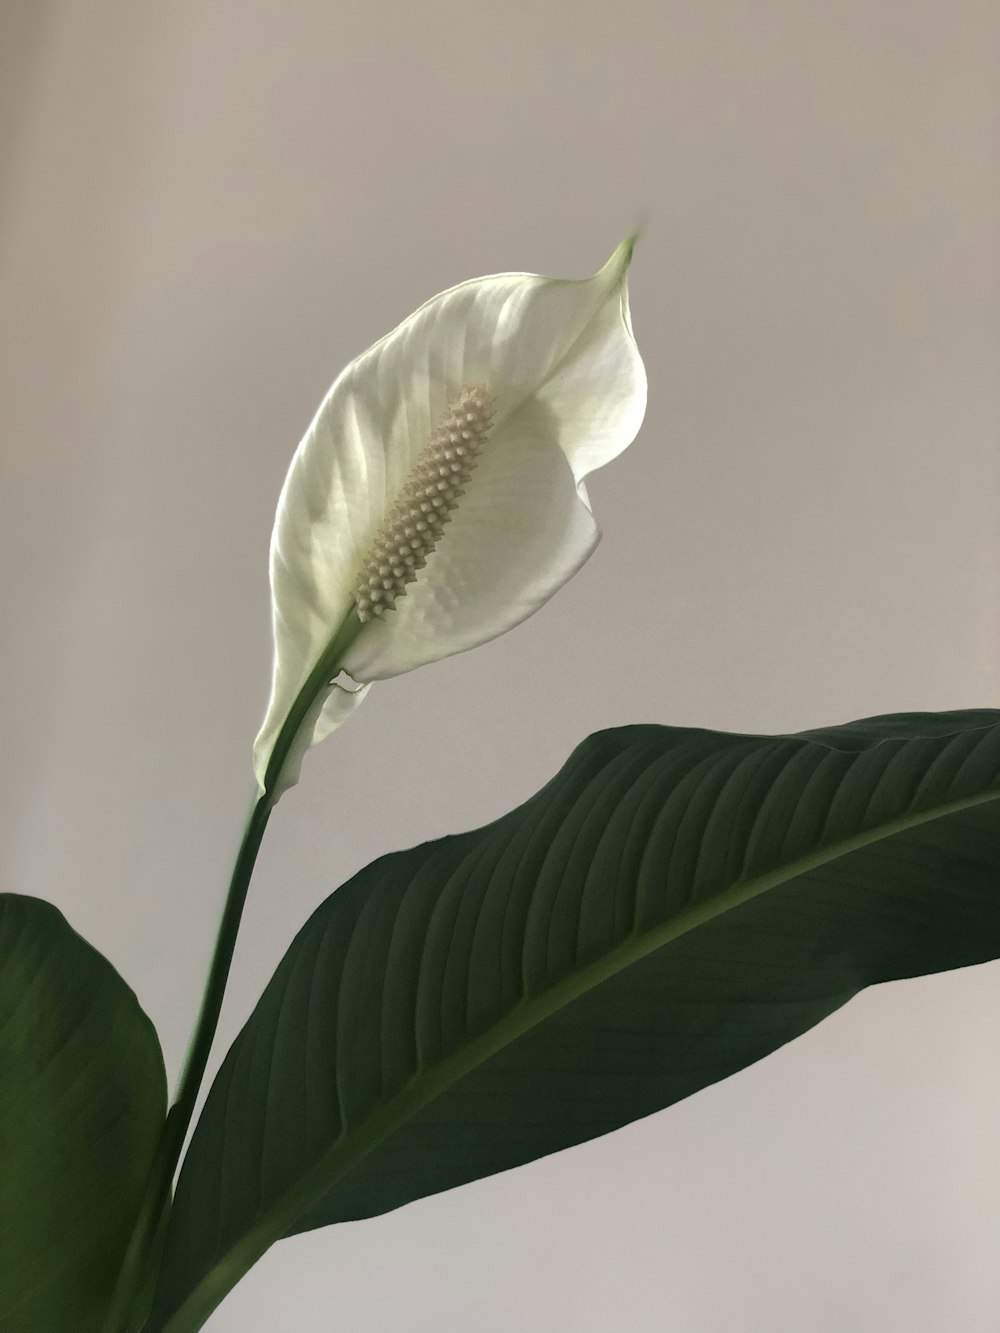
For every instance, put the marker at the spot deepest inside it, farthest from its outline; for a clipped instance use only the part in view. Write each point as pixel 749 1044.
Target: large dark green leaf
pixel 82 1101
pixel 674 905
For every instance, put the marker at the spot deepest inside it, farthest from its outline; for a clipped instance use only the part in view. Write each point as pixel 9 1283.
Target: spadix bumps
pixel 432 490
pixel 405 544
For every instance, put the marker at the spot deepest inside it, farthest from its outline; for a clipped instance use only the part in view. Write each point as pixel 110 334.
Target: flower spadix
pixel 438 497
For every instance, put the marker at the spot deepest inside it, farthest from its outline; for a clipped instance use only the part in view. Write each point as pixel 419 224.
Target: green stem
pixel 150 1225
pixel 196 1061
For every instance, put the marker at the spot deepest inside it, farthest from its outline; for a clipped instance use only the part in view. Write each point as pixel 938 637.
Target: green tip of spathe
pixel 622 257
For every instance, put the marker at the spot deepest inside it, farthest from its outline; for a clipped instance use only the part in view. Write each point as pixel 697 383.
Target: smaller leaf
pixel 82 1102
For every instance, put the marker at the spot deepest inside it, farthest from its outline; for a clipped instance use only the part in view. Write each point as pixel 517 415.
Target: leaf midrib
pixel 430 1083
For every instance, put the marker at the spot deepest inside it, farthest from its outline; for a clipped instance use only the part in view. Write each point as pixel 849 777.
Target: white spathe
pixel 560 363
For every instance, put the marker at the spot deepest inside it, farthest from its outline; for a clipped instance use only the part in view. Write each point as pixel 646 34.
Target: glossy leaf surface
pixel 671 907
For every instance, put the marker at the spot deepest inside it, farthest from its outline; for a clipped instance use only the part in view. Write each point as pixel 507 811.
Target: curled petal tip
pixel 621 258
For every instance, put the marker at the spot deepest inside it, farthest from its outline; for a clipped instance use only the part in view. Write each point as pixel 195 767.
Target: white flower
pixel 438 499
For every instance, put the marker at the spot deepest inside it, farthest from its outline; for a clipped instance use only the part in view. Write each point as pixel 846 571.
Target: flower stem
pixel 179 1117
pixel 133 1291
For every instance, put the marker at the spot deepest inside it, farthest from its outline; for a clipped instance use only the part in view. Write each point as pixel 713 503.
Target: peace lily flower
pixel 438 497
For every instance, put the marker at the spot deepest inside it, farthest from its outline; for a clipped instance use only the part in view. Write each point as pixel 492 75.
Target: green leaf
pixel 82 1102
pixel 672 906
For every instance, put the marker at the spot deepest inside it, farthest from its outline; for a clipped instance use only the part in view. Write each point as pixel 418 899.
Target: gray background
pixel 207 208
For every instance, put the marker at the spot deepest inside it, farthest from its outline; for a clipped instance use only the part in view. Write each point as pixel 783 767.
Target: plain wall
pixel 205 211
